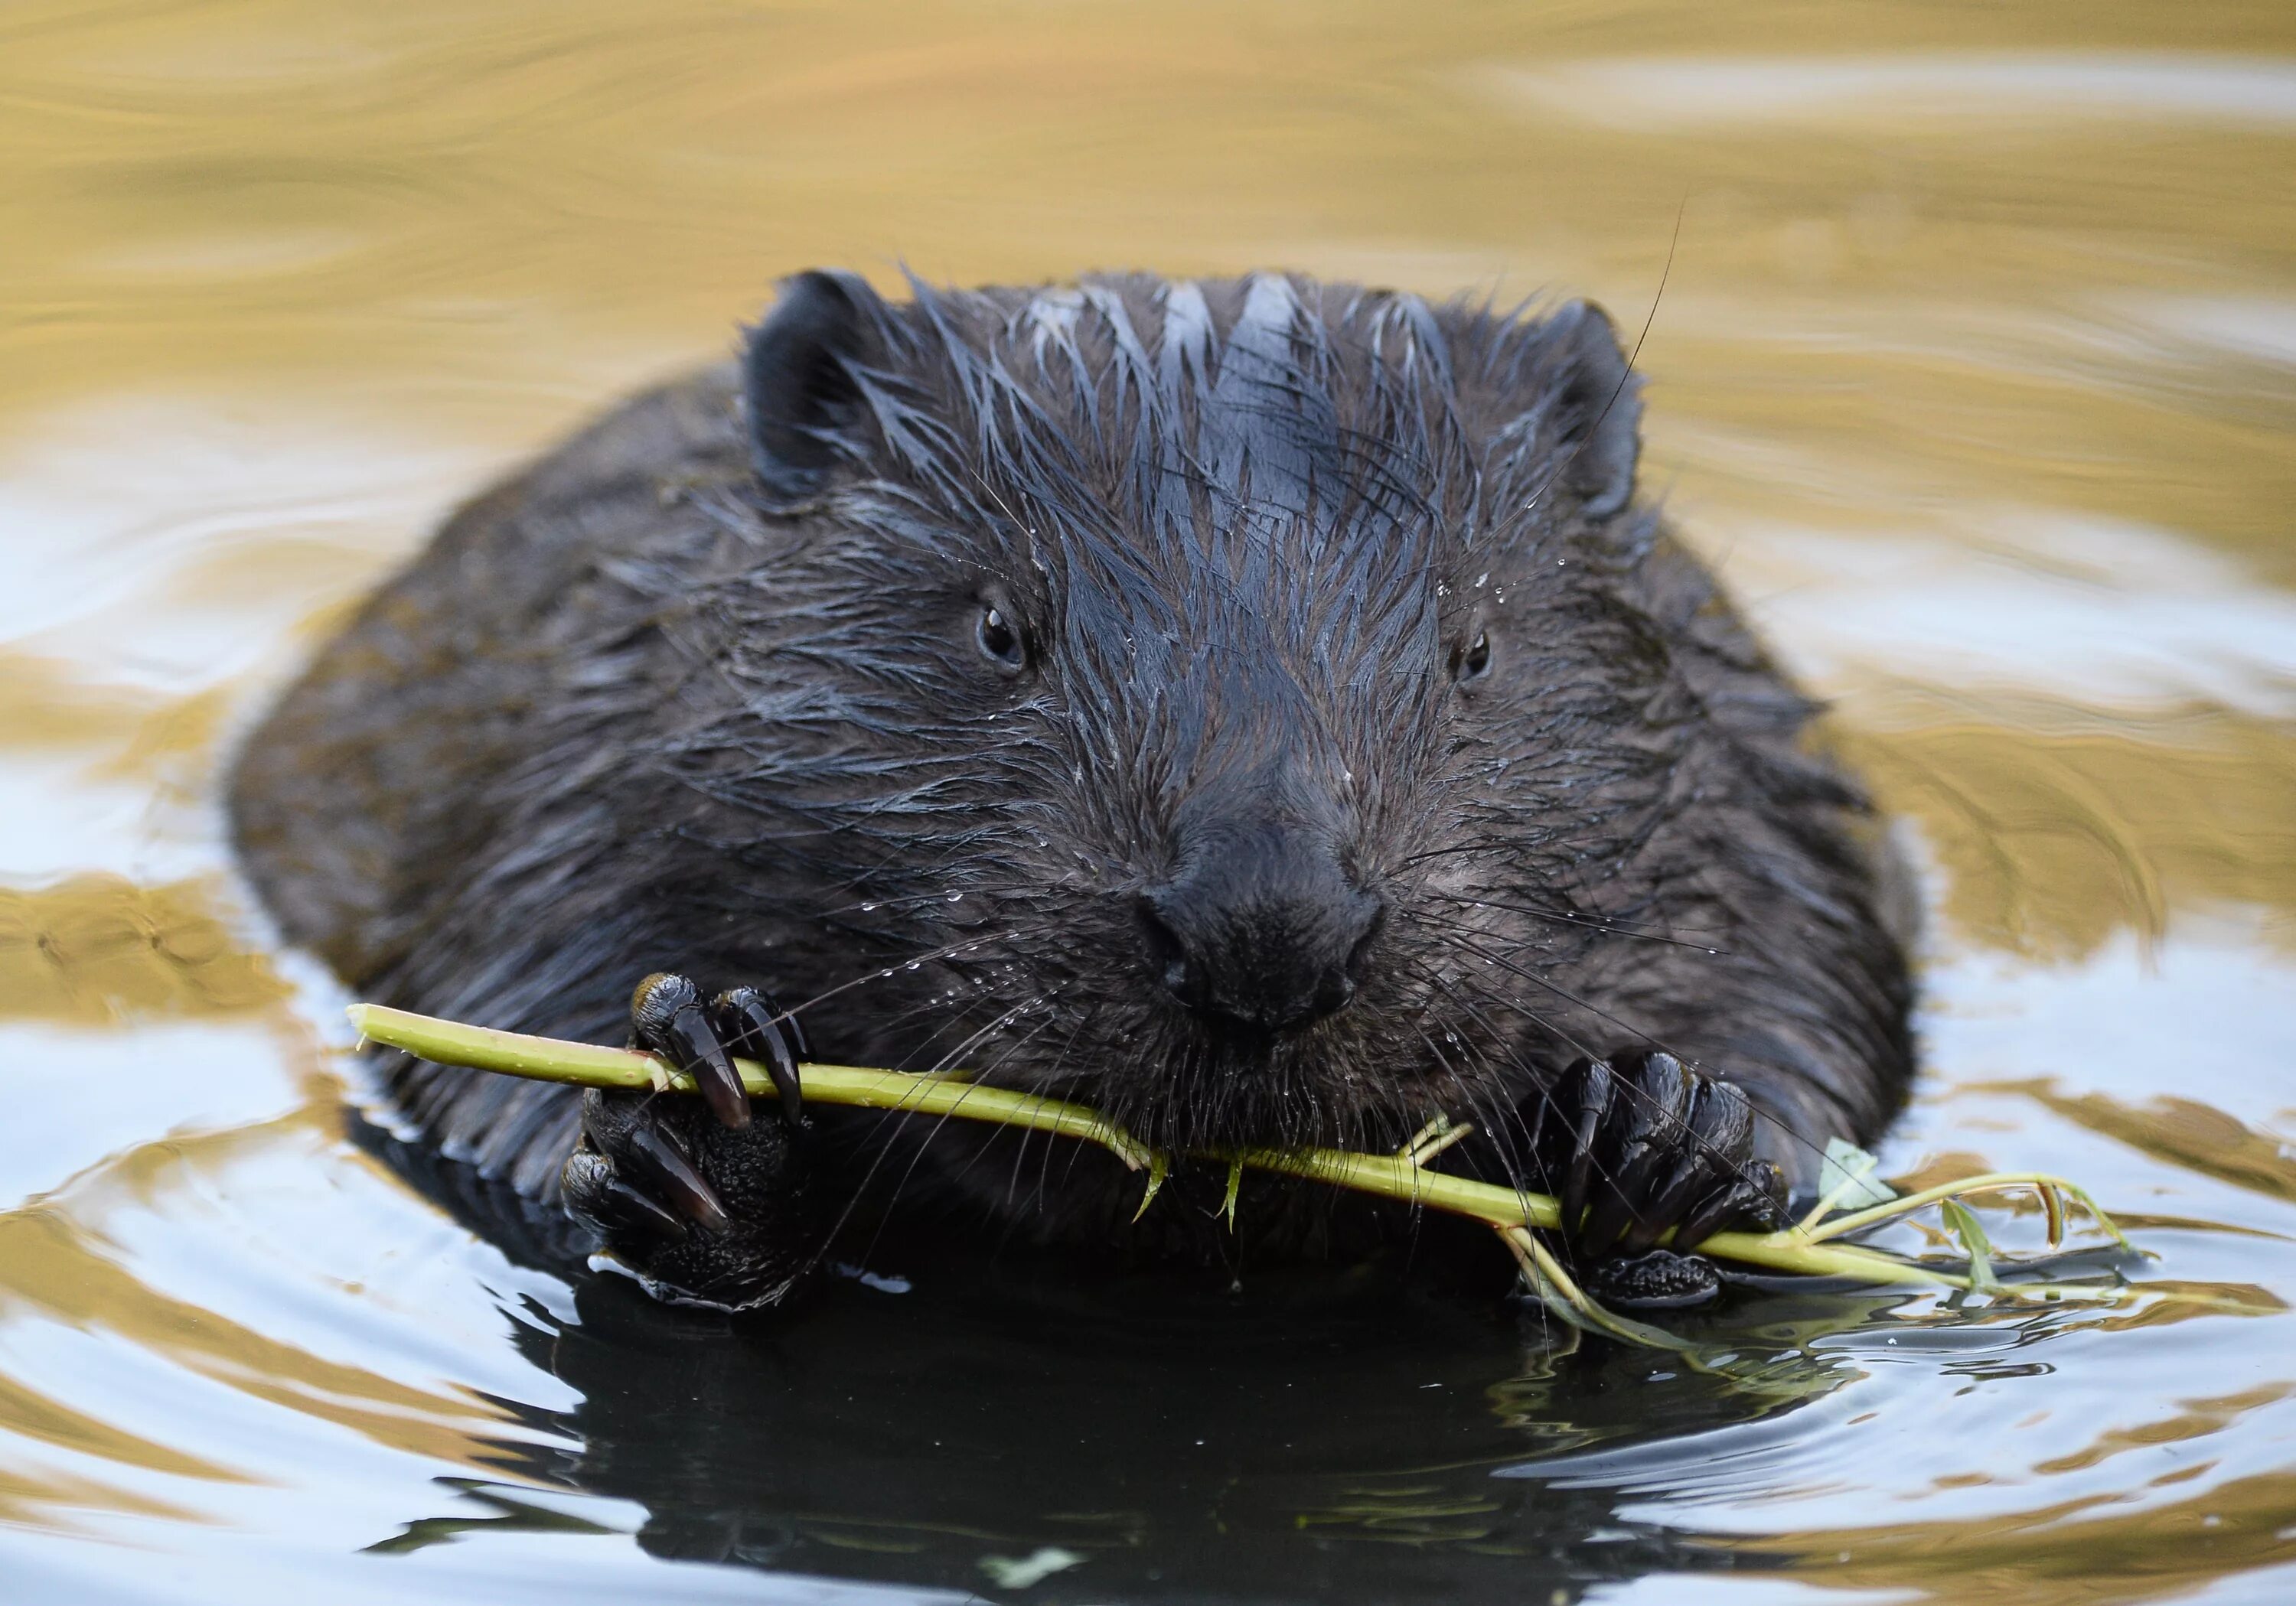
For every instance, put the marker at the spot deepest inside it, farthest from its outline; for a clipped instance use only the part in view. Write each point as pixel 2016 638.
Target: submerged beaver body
pixel 1258 708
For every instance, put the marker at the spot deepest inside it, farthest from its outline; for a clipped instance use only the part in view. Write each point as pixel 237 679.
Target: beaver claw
pixel 669 1018
pixel 702 1204
pixel 1641 1145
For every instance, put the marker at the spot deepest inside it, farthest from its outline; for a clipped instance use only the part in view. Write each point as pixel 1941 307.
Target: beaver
pixel 1259 709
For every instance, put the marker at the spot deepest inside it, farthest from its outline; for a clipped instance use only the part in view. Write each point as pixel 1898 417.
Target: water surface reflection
pixel 1976 375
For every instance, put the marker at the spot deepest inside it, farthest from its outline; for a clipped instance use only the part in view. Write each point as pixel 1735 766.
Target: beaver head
pixel 1210 701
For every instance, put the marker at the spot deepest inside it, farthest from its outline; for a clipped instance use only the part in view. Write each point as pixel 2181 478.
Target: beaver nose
pixel 1262 935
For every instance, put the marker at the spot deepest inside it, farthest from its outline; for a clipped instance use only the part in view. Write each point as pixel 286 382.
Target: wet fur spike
pixel 703 690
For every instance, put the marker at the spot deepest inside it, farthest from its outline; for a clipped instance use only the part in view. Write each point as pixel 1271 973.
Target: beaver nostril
pixel 1359 957
pixel 1168 955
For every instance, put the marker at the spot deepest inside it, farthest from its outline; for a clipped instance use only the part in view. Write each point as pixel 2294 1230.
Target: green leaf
pixel 1846 1181
pixel 1158 1168
pixel 1963 1223
pixel 1026 1572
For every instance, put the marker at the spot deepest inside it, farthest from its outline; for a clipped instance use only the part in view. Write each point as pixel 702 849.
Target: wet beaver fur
pixel 1259 708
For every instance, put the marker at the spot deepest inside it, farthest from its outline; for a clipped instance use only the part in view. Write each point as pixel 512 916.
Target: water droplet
pixel 1480 578
pixel 868 908
pixel 956 897
pixel 913 964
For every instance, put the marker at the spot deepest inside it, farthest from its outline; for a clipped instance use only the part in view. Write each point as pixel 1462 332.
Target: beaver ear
pixel 798 378
pixel 1597 411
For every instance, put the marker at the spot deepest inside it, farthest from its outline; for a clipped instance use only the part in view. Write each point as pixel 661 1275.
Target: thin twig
pixel 1809 1249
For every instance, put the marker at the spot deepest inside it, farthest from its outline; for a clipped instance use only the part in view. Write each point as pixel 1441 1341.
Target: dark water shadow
pixel 1311 1435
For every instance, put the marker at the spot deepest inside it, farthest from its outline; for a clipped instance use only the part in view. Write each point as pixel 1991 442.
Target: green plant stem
pixel 1806 1250
pixel 588 1065
pixel 1991 1182
pixel 1392 1176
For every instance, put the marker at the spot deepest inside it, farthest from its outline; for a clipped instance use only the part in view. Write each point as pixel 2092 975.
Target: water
pixel 1976 374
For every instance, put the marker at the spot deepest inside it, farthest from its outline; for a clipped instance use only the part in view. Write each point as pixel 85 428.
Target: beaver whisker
pixel 1633 356
pixel 1517 1059
pixel 939 894
pixel 945 1020
pixel 1596 921
pixel 1510 847
pixel 1044 1174
pixel 1495 1127
pixel 987 1074
pixel 884 1136
pixel 890 967
pixel 949 1059
pixel 1760 1113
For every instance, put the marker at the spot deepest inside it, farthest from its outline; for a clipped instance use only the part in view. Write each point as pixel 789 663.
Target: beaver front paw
pixel 1639 1145
pixel 705 1205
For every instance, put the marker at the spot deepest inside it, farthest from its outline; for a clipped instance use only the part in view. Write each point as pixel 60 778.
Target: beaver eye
pixel 1474 660
pixel 999 640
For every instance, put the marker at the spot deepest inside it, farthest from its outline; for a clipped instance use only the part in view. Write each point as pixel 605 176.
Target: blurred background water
pixel 1975 374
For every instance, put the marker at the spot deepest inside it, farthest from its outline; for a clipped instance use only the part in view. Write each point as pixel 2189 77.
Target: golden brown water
pixel 1975 372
